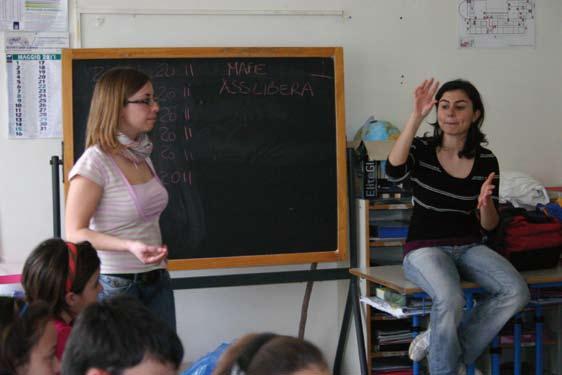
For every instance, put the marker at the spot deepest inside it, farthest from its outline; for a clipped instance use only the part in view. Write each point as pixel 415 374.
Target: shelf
pixel 400 353
pixel 386 242
pixel 385 213
pixel 529 344
pixel 390 206
pixel 386 317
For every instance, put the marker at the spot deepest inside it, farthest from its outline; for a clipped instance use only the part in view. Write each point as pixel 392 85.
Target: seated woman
pixel 27 338
pixel 455 184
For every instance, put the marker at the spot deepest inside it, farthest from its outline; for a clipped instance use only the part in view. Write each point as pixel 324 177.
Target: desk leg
pixel 343 334
pixel 495 354
pixel 351 305
pixel 469 298
pixel 517 345
pixel 416 331
pixel 354 285
pixel 539 324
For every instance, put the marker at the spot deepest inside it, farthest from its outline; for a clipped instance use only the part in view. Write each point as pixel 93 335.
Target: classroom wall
pixel 389 46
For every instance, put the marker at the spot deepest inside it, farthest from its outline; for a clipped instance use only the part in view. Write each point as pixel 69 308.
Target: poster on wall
pixel 34 15
pixel 34 95
pixel 33 62
pixel 496 23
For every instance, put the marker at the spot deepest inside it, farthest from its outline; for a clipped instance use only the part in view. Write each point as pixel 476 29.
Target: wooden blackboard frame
pixel 336 53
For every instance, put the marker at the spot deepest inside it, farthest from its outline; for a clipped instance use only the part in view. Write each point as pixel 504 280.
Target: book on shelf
pixel 393 336
pixel 395 310
pixel 390 296
pixel 391 347
pixel 392 366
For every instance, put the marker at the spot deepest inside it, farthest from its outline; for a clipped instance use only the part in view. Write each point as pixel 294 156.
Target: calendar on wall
pixel 34 95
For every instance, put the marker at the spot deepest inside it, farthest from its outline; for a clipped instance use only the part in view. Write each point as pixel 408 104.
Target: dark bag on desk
pixel 529 240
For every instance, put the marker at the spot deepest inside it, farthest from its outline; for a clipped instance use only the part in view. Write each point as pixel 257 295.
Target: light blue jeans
pixel 157 296
pixel 438 271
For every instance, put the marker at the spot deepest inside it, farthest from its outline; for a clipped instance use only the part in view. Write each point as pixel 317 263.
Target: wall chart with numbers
pixel 34 95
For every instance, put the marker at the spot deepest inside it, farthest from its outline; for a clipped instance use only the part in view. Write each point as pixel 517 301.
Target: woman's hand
pixel 486 190
pixel 147 254
pixel 423 97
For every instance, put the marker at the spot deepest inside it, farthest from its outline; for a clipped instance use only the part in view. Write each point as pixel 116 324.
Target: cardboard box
pixel 368 169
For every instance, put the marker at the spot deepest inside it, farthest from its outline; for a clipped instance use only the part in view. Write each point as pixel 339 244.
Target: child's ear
pixel 70 298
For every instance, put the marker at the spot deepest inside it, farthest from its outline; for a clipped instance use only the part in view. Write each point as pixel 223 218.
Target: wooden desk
pixel 393 278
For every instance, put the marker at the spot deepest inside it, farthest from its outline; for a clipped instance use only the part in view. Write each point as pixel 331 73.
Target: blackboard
pixel 250 145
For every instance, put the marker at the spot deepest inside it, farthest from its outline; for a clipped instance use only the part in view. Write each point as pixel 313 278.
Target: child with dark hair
pixel 27 338
pixel 120 335
pixel 65 276
pixel 271 354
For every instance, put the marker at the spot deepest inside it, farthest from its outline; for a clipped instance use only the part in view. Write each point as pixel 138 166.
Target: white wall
pixel 390 45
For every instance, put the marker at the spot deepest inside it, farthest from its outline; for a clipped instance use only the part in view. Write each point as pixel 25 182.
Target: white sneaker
pixel 462 371
pixel 419 346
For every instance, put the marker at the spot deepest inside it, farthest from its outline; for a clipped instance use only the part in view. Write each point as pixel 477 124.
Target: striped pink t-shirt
pixel 125 211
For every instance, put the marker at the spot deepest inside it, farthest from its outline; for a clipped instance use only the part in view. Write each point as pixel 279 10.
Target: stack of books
pixel 413 307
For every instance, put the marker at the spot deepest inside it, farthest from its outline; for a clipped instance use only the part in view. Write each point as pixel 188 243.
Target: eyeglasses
pixel 148 101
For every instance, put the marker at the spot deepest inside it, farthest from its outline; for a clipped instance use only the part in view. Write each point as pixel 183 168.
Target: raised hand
pixel 423 97
pixel 148 254
pixel 486 190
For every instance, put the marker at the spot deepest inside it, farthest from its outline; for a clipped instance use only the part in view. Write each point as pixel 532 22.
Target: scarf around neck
pixel 136 151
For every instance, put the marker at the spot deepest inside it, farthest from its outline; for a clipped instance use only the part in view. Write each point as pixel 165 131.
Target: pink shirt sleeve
pixel 63 331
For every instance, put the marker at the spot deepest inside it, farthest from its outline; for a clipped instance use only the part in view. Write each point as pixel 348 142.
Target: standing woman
pixel 115 197
pixel 455 183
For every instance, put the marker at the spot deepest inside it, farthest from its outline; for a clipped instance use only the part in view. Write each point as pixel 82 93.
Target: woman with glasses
pixel 115 198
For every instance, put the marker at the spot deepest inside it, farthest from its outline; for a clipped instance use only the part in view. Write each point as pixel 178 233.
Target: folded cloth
pixel 521 190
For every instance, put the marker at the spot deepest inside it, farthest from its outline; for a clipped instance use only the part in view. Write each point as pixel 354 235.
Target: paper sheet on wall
pixel 34 15
pixel 496 23
pixel 28 41
pixel 34 95
pixel 33 61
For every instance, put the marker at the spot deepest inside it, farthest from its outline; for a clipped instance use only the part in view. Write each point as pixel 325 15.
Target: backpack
pixel 528 239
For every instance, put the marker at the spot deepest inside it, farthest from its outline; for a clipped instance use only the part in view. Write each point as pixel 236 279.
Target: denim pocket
pixel 113 286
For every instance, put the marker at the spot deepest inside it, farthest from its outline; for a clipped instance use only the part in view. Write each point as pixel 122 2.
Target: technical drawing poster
pixel 496 23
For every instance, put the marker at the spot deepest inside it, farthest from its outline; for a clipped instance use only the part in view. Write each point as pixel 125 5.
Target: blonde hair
pixel 111 92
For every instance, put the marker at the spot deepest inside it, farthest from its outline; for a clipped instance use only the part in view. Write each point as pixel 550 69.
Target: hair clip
pixel 23 310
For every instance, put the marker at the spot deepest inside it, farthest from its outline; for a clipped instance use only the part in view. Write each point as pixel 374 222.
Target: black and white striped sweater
pixel 444 206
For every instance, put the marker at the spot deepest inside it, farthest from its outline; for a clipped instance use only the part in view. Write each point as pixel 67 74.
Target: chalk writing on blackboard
pixel 247 148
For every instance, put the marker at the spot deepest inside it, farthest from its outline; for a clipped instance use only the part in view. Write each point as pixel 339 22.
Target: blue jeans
pixel 438 271
pixel 157 296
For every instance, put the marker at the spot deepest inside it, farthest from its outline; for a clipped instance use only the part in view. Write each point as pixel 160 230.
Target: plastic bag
pixel 206 364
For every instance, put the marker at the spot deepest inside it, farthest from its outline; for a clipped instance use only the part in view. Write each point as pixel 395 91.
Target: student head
pixel 464 99
pixel 120 336
pixel 64 275
pixel 27 338
pixel 123 101
pixel 271 354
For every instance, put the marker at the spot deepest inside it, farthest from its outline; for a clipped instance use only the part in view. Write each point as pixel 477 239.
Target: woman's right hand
pixel 424 98
pixel 147 254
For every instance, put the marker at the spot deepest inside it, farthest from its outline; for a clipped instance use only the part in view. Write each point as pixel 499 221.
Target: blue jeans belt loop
pixel 149 277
